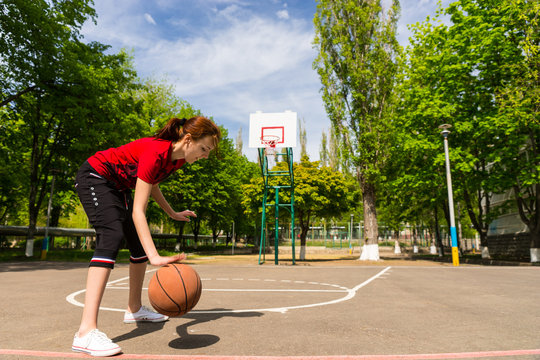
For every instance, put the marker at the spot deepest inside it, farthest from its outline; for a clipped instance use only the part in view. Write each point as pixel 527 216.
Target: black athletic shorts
pixel 109 211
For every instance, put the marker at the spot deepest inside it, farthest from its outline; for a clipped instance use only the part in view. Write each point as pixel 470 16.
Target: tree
pixel 329 153
pixel 239 142
pixel 318 192
pixel 158 105
pixel 211 188
pixel 33 34
pixel 11 179
pixel 323 150
pixel 302 137
pixel 456 74
pixel 47 108
pixel 519 113
pixel 357 64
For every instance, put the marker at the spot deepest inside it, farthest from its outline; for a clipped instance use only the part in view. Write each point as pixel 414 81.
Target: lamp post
pixel 453 234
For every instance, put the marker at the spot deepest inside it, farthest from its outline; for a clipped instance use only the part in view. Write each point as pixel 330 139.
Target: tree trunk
pixel 304 228
pixel 195 226
pixel 532 220
pixel 32 221
pixel 535 245
pixel 370 250
pixel 30 237
pixel 55 219
pixel 180 243
pixel 438 237
pixel 477 221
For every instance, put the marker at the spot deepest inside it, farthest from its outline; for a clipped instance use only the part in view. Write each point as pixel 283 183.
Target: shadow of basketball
pixel 197 341
pixel 141 330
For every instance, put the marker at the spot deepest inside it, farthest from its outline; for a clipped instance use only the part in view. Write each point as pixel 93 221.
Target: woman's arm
pixel 140 201
pixel 162 202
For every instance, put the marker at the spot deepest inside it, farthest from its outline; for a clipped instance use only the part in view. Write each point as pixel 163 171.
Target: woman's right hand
pixel 158 260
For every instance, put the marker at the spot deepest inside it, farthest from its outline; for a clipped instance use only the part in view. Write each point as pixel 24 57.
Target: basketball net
pixel 269 142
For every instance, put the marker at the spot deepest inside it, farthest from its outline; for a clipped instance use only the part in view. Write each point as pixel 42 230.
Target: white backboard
pixel 281 126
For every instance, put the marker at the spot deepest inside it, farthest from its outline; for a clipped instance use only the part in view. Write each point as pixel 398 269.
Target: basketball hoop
pixel 269 142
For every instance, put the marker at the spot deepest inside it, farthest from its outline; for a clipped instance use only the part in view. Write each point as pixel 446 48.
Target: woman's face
pixel 198 149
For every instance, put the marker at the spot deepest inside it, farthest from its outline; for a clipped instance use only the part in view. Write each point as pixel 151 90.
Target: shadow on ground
pixel 187 340
pixel 196 341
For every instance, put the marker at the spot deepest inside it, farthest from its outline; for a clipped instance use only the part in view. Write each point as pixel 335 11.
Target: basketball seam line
pixel 184 286
pixel 174 302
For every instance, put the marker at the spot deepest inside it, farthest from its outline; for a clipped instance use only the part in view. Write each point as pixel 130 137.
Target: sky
pixel 230 58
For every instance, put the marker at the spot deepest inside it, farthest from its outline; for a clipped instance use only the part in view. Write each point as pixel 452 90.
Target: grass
pixel 56 255
pixel 72 255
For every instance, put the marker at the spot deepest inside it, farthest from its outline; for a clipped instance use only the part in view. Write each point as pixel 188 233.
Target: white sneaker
pixel 95 343
pixel 144 315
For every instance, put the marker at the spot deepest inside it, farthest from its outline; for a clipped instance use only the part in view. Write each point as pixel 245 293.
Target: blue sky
pixel 230 58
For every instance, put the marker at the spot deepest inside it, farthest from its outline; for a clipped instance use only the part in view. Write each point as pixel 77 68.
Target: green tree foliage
pixel 457 74
pixel 357 66
pixel 158 104
pixel 330 151
pixel 302 137
pixel 33 35
pixel 11 179
pixel 319 192
pixel 519 114
pixel 62 98
pixel 212 189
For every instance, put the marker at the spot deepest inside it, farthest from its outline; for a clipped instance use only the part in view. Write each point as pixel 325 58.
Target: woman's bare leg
pixel 136 279
pixel 95 287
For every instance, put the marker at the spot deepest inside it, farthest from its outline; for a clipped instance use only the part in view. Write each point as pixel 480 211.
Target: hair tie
pixel 182 121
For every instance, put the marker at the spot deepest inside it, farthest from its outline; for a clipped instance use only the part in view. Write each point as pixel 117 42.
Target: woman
pixel 104 183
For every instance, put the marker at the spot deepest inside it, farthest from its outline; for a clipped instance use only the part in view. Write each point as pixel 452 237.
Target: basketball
pixel 174 289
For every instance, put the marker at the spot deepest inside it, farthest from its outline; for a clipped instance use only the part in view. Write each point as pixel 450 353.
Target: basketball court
pixel 342 310
pixel 251 309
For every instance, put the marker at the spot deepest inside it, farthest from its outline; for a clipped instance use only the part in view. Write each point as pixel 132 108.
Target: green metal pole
pixel 289 151
pixel 292 221
pixel 276 212
pixel 262 243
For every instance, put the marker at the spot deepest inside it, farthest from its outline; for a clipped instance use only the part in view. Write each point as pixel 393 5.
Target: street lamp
pixel 453 233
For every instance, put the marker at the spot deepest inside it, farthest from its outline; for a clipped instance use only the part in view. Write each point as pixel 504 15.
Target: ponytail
pixel 171 131
pixel 197 126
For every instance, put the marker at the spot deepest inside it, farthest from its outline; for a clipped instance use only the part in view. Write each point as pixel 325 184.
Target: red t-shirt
pixel 148 159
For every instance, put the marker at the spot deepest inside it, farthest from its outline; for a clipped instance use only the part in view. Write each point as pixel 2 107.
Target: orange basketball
pixel 174 289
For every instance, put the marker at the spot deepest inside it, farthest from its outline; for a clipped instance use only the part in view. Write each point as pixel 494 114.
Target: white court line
pixel 71 297
pixel 350 294
pixel 276 290
pixel 250 290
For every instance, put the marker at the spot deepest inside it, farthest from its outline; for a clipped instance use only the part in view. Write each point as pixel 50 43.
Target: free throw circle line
pixel 350 294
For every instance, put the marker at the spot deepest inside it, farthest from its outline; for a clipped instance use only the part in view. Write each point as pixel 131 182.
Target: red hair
pixel 197 126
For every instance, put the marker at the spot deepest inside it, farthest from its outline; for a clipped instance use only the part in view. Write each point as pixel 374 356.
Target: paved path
pixel 348 311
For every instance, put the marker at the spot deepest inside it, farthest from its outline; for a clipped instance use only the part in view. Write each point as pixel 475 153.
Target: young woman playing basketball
pixel 104 183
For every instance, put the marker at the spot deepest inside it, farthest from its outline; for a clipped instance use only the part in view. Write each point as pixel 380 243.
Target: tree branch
pixel 17 95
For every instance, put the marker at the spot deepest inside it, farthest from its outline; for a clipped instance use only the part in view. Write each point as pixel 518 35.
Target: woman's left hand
pixel 183 215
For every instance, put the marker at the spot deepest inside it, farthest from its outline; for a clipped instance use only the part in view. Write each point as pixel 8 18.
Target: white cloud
pixel 230 57
pixel 283 14
pixel 230 12
pixel 149 18
pixel 246 52
pixel 119 28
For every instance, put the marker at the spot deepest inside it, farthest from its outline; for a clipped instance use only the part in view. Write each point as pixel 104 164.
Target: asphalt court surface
pixel 327 311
